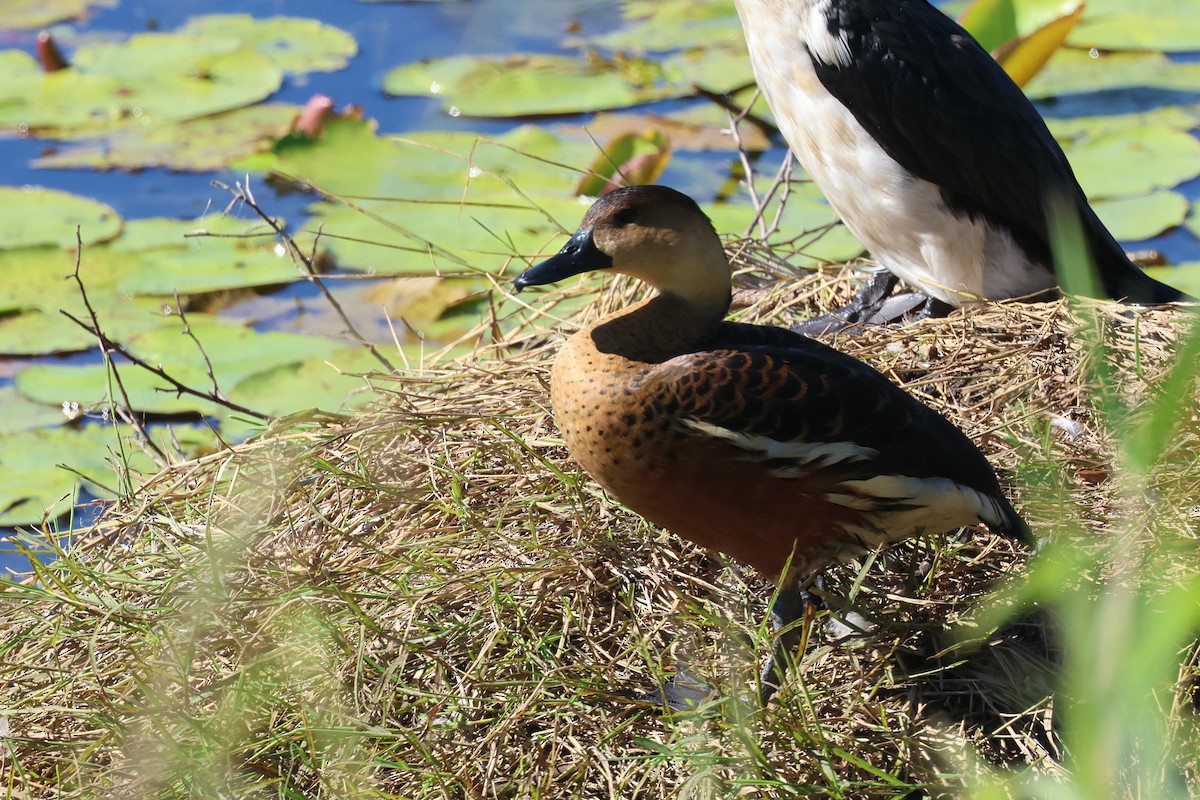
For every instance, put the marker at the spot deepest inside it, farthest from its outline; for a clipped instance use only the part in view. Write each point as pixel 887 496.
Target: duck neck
pixel 661 327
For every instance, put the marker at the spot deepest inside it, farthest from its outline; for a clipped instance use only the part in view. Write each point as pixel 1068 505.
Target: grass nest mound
pixel 429 600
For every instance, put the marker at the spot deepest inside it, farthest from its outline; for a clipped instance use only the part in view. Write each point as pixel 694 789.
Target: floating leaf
pixel 31 216
pixel 1178 32
pixel 1025 56
pixel 39 277
pixel 209 265
pixel 234 352
pixel 628 159
pixel 1137 218
pixel 207 144
pixel 28 14
pixel 521 85
pixel 332 383
pixel 1180 118
pixel 1076 71
pixel 1135 161
pixel 1184 277
pixel 33 485
pixel 152 78
pixel 716 69
pixel 1193 221
pixel 296 44
pixel 44 333
pixel 36 483
pixel 22 414
pixel 675 24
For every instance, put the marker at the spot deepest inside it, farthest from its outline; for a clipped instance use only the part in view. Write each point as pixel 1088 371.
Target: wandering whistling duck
pixel 751 440
pixel 927 150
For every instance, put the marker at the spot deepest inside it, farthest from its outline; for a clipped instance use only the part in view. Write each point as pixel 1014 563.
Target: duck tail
pixel 1009 523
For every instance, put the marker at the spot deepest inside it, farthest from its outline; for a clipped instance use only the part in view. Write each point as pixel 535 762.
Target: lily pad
pixel 717 69
pixel 150 79
pixel 32 484
pixel 674 24
pixel 209 265
pixel 1180 118
pixel 296 44
pixel 525 84
pixel 207 144
pixel 1185 277
pixel 1193 221
pixel 36 483
pixel 1132 219
pixel 1167 32
pixel 32 216
pixel 235 354
pixel 39 277
pixel 331 383
pixel 22 414
pixel 28 14
pixel 1077 71
pixel 1135 161
pixel 43 333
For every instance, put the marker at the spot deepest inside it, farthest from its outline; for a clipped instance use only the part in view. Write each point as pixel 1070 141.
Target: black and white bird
pixel 926 149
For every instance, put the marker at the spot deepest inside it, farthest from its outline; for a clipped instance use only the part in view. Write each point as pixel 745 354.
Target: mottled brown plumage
pixel 750 440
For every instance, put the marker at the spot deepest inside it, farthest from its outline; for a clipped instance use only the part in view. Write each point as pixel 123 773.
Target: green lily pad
pixel 32 216
pixel 207 144
pixel 1077 71
pixel 1193 220
pixel 158 233
pixel 523 84
pixel 235 354
pixel 331 383
pixel 34 484
pixel 150 79
pixel 1134 161
pixel 39 277
pixel 296 44
pixel 22 414
pixel 1180 118
pixel 211 264
pixel 1184 277
pixel 1137 218
pixel 29 14
pixel 674 24
pixel 1178 32
pixel 42 333
pixel 717 69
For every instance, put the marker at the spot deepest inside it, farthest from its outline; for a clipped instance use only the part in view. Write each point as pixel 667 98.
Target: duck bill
pixel 578 255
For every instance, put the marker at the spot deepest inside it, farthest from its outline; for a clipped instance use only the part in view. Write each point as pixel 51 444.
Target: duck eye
pixel 625 216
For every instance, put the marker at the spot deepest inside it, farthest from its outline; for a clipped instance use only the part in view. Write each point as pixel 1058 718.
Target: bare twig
pixel 306 263
pixel 110 346
pixel 106 350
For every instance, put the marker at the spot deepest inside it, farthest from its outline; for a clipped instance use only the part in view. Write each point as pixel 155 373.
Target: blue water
pixel 389 34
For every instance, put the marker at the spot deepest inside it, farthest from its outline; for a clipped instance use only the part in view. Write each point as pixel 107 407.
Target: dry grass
pixel 430 601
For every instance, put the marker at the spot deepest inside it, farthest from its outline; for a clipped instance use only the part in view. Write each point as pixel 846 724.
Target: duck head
pixel 652 233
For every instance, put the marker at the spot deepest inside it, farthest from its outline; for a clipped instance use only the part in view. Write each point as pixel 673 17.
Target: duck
pixel 929 153
pixel 753 441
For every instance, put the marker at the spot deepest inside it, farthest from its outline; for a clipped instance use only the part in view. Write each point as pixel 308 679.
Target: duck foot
pixel 799 602
pixel 683 692
pixel 875 305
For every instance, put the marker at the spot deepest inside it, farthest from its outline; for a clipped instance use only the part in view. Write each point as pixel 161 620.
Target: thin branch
pixel 306 263
pixel 106 351
pixel 180 388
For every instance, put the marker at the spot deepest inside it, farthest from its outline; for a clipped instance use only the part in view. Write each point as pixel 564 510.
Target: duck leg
pixel 791 605
pixel 864 306
pixel 876 305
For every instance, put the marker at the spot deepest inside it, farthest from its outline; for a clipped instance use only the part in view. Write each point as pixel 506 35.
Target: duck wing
pixel 941 106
